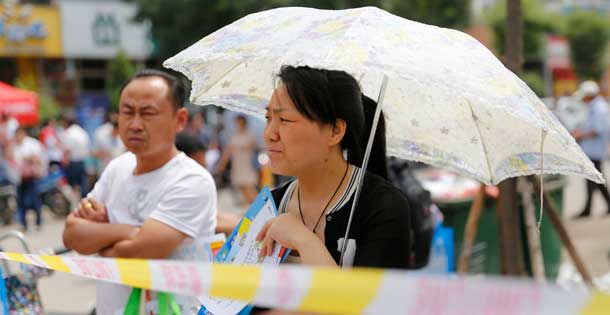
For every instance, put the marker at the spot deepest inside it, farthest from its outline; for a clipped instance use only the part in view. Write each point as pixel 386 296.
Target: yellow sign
pixel 30 31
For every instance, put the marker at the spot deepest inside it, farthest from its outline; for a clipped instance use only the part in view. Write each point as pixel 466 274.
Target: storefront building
pixel 30 40
pixel 64 49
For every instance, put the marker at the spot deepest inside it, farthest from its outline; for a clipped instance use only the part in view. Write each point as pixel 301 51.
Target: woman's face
pixel 294 143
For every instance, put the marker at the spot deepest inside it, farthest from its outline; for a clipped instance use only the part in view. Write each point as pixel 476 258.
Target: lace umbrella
pixel 448 100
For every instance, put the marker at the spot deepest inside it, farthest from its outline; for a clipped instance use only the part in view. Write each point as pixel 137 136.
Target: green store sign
pixel 106 30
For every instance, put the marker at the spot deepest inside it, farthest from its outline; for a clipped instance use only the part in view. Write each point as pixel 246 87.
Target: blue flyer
pixel 241 248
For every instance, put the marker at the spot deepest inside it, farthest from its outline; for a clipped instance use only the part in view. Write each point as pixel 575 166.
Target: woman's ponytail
pixel 377 161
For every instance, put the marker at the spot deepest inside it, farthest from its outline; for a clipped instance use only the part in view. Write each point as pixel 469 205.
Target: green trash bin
pixel 485 257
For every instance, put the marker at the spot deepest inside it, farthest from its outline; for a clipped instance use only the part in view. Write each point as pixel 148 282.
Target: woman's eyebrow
pixel 275 110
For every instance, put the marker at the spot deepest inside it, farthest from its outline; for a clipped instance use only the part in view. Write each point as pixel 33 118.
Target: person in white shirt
pixel 107 144
pixel 594 138
pixel 77 145
pixel 29 158
pixel 151 202
pixel 8 126
pixel 50 139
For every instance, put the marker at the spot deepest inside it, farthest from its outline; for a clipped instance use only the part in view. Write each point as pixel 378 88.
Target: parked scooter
pixel 8 202
pixel 56 193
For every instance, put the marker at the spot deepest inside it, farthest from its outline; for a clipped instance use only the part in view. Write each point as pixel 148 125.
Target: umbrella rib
pixel 220 78
pixel 476 123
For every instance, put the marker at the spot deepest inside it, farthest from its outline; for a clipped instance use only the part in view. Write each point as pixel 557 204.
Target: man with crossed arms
pixel 152 201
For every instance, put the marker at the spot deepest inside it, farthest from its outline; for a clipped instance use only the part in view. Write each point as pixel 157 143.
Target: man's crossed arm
pixel 87 231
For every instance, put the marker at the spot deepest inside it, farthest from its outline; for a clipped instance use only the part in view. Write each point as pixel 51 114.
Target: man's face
pixel 113 118
pixel 148 122
pixel 587 99
pixel 20 136
pixel 197 121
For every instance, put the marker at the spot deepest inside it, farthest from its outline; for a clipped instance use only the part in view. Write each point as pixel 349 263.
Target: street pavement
pixel 65 294
pixel 591 235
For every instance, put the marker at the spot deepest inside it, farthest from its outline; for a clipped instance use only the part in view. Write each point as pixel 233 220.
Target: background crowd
pixel 61 150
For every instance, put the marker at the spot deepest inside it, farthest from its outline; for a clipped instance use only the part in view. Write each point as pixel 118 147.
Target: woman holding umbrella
pixel 315 123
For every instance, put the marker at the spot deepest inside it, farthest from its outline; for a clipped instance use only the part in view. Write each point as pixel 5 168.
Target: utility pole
pixel 511 249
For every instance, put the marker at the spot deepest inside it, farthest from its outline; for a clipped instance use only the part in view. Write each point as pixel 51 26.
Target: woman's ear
pixel 337 131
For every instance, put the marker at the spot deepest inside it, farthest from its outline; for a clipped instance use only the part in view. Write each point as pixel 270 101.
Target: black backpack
pixel 422 221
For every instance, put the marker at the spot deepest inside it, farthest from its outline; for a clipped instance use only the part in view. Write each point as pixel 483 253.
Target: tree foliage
pixel 180 23
pixel 176 24
pixel 536 23
pixel 444 13
pixel 588 33
pixel 119 70
pixel 534 80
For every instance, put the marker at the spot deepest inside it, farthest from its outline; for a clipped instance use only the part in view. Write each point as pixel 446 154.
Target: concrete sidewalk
pixel 591 236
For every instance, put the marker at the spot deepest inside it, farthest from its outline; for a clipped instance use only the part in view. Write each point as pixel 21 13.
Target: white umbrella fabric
pixel 449 101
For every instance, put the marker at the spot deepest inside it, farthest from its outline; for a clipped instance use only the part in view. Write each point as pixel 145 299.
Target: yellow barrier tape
pixel 18 258
pixel 333 291
pixel 55 263
pixel 598 305
pixel 237 283
pixel 135 272
pixel 321 295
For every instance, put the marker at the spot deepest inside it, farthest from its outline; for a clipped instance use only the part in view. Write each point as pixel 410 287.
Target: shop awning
pixel 21 104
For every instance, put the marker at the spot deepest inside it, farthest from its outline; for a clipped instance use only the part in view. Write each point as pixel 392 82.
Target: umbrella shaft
pixel 365 162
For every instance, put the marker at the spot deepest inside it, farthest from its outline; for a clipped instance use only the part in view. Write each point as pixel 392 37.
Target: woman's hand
pixel 286 230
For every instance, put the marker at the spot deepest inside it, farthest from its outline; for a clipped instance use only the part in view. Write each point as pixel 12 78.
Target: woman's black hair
pixel 377 159
pixel 324 96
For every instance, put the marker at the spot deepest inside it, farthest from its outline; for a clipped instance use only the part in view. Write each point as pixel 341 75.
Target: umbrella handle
pixel 365 162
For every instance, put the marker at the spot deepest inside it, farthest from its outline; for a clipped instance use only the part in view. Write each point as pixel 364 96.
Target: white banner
pixel 100 29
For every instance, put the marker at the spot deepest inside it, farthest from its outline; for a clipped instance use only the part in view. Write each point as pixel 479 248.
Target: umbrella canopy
pixel 20 104
pixel 449 101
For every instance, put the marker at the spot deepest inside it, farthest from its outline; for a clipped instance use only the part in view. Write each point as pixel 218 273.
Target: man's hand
pixel 89 237
pixel 580 134
pixel 91 210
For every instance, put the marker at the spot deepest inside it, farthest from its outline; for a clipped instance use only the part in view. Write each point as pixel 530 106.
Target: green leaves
pixel 588 33
pixel 451 14
pixel 119 70
pixel 180 23
pixel 536 23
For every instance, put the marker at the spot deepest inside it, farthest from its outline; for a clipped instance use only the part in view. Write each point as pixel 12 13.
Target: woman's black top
pixel 380 226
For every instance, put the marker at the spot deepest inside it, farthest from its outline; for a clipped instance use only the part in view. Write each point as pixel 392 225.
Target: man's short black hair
pixel 177 91
pixel 189 144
